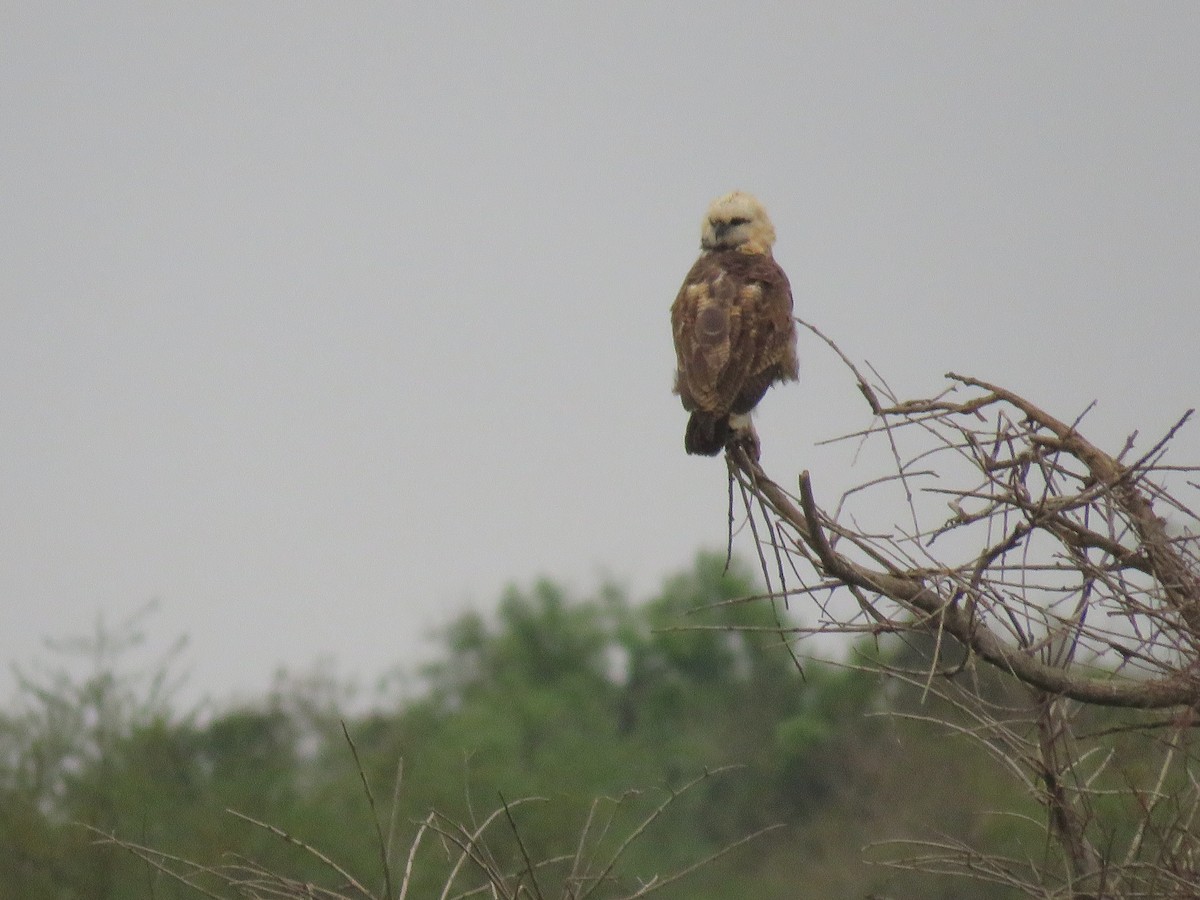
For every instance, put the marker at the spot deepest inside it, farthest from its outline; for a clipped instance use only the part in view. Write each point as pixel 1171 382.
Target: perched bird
pixel 732 323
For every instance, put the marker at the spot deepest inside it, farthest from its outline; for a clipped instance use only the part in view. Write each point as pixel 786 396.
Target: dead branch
pixel 1041 556
pixel 1054 496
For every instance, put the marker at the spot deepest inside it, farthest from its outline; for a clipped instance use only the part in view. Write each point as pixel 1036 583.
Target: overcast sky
pixel 323 322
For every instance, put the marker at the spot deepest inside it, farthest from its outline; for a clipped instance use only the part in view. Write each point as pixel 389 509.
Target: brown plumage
pixel 732 323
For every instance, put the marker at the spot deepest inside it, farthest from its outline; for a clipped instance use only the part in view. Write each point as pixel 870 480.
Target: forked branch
pixel 1074 586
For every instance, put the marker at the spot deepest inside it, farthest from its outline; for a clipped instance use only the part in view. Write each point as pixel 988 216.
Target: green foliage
pixel 555 696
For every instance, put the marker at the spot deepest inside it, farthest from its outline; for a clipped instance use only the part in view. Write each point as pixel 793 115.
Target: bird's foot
pixel 742 436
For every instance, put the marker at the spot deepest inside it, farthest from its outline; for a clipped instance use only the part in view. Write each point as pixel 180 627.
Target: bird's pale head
pixel 737 221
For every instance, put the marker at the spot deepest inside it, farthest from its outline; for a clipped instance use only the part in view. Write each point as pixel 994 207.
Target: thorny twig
pixel 1052 567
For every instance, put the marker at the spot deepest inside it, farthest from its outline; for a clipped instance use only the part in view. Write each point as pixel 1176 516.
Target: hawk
pixel 732 323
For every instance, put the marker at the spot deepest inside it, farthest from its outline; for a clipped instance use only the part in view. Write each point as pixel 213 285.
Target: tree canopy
pixel 555 696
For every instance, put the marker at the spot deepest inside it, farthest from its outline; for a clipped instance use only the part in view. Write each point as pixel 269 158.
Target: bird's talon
pixel 746 441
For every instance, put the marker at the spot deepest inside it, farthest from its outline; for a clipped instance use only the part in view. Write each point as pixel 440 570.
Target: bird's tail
pixel 706 434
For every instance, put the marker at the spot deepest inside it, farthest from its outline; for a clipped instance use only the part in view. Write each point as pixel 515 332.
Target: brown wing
pixel 734 333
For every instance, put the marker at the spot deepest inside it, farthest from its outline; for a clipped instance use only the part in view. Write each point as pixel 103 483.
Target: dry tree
pixel 1059 608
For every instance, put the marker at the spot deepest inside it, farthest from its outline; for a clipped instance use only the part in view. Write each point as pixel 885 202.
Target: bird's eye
pixel 739 221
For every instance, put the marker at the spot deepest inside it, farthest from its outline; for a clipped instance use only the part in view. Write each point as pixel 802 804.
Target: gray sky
pixel 323 322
